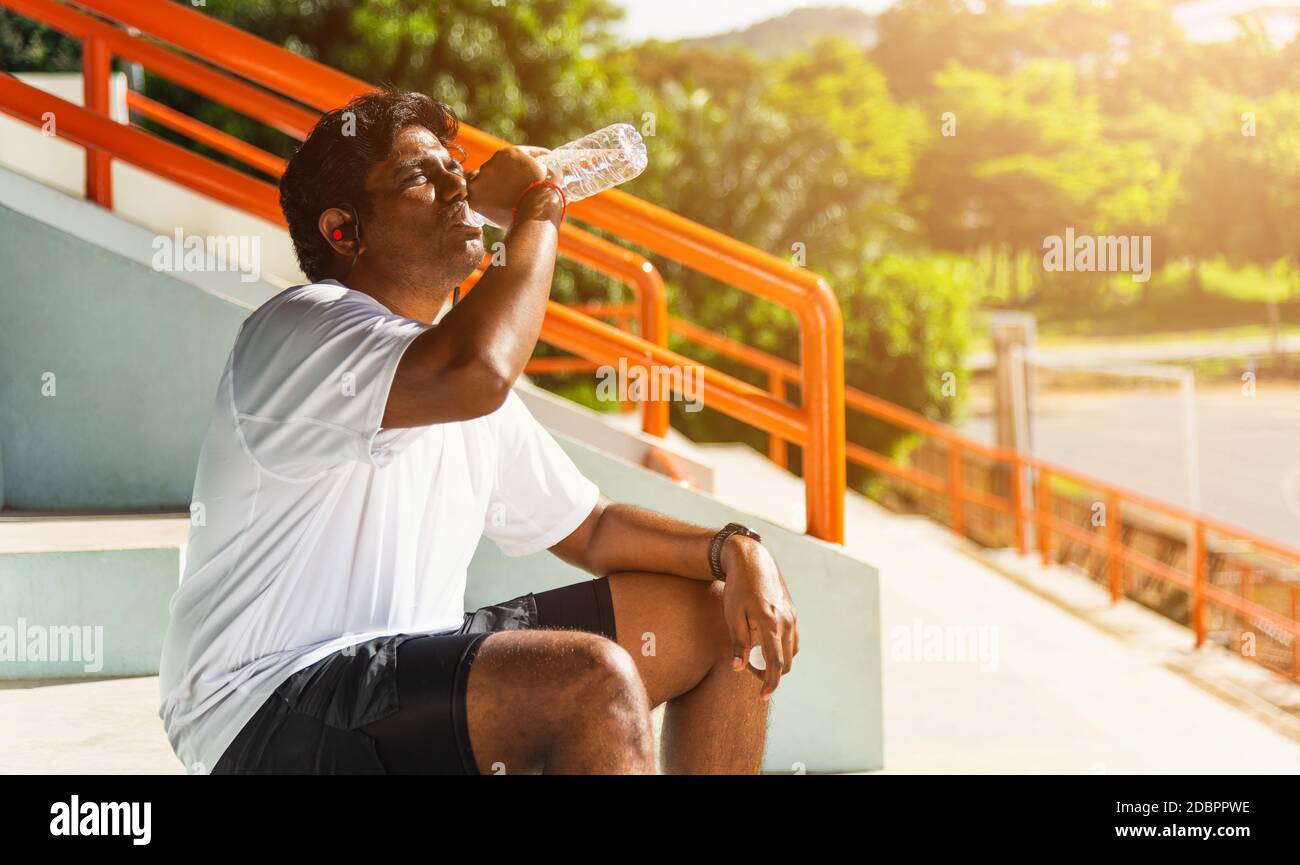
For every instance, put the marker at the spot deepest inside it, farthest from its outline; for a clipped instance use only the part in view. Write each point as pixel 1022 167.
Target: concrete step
pixel 106 727
pixel 92 592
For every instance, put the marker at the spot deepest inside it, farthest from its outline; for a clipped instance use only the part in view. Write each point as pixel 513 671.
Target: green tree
pixel 528 72
pixel 806 160
pixel 1241 187
pixel 1024 155
pixel 26 46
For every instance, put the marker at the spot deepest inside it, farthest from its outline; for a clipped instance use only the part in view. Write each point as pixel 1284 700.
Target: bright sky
pixel 674 19
pixel 1204 20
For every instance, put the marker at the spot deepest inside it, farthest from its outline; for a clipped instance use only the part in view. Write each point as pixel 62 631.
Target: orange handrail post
pixel 824 468
pixel 652 299
pixel 776 447
pixel 955 483
pixel 1043 505
pixel 1198 581
pixel 1113 547
pixel 96 72
pixel 1018 502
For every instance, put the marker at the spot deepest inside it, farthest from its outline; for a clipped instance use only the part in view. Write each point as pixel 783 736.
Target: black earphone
pixel 349 231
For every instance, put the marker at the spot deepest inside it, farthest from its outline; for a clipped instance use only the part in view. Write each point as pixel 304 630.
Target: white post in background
pixel 1020 400
pixel 1014 335
pixel 1190 441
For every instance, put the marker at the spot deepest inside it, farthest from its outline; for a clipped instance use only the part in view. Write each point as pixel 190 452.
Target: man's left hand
pixel 758 610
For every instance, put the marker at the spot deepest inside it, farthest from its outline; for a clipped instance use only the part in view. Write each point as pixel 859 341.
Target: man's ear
pixel 339 228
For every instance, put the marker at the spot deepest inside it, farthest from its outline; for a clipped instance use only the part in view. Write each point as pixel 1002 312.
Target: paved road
pixel 1249 448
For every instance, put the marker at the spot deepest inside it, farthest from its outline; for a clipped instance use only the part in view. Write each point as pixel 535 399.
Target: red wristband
pixel 564 199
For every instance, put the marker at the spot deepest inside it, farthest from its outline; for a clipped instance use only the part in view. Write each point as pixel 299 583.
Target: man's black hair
pixel 331 165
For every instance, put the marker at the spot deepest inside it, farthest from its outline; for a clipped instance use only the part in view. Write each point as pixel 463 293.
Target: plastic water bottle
pixel 595 162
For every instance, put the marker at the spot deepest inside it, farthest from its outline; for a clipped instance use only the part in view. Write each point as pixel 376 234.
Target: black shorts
pixel 396 704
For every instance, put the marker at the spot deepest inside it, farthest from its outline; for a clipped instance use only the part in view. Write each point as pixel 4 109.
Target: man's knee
pixel 608 700
pixel 564 670
pixel 605 669
pixel 537 694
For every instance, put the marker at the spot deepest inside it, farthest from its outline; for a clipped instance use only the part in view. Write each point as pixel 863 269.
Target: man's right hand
pixel 495 186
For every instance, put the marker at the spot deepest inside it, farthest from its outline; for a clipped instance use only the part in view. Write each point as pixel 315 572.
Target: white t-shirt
pixel 312 529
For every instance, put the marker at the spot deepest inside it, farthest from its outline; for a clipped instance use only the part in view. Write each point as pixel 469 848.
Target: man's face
pixel 419 230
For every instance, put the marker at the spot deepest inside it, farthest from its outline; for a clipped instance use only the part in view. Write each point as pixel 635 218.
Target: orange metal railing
pixel 817 425
pixel 1023 470
pixel 99 134
pixel 195 130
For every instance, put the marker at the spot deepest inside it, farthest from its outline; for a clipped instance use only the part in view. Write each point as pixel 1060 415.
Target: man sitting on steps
pixel 355 456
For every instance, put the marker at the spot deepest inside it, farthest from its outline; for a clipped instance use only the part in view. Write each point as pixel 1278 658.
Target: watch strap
pixel 715 546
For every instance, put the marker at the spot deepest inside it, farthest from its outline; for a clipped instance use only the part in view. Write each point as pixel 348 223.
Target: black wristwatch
pixel 715 547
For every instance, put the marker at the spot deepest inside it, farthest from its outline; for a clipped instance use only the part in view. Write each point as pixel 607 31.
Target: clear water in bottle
pixel 595 162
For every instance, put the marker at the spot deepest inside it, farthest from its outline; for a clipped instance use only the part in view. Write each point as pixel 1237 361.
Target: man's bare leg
pixel 560 702
pixel 673 628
